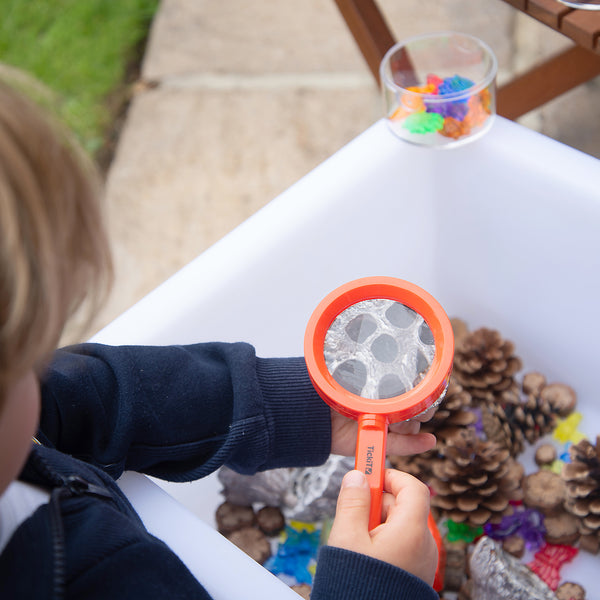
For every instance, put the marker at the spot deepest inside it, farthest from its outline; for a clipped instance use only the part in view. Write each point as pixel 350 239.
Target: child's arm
pixel 396 560
pixel 180 412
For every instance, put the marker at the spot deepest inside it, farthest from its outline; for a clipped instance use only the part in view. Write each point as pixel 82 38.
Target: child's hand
pixel 403 539
pixel 403 438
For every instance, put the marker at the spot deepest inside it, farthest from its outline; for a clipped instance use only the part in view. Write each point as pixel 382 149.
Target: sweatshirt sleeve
pixel 180 412
pixel 345 574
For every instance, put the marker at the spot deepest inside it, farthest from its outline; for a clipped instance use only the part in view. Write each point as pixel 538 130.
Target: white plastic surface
pixel 503 232
pixel 225 571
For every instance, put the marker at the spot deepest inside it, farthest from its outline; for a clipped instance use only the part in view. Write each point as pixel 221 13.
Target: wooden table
pixel 542 83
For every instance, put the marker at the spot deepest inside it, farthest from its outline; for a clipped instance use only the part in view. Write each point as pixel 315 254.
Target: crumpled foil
pixel 497 575
pixel 378 348
pixel 305 494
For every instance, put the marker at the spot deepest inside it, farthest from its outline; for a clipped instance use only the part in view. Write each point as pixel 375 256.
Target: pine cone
pixel 561 398
pixel 498 429
pixel 485 365
pixel 582 477
pixel 455 572
pixel 417 465
pixel 474 480
pixel 453 413
pixel 545 402
pixel 534 417
pixel 451 417
pixel 460 329
pixel 512 421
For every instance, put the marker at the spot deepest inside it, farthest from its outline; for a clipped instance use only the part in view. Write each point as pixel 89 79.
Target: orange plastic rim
pixel 397 408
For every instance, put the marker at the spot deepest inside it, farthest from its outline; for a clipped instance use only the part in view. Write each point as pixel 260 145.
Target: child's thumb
pixel 354 502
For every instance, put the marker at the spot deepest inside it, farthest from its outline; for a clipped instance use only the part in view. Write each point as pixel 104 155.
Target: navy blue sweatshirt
pixel 179 413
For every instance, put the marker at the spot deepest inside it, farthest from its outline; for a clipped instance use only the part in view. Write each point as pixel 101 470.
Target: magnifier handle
pixel 370 459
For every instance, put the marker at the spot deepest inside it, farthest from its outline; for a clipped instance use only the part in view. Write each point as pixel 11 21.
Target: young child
pixel 72 420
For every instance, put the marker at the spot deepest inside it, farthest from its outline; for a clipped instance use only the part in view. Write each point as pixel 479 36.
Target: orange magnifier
pixel 379 350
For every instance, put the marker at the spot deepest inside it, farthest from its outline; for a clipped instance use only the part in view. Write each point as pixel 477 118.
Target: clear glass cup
pixel 439 89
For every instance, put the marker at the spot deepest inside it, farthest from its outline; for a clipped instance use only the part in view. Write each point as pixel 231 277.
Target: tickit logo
pixel 369 462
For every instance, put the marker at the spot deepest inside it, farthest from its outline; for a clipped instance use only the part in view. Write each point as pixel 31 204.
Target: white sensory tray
pixel 504 232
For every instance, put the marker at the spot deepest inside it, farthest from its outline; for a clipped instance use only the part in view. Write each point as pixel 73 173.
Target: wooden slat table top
pixel 581 26
pixel 548 12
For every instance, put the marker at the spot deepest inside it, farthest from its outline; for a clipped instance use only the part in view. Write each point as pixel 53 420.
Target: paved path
pixel 238 100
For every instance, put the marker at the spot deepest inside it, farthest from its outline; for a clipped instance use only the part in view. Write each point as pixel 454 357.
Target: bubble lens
pixel 378 348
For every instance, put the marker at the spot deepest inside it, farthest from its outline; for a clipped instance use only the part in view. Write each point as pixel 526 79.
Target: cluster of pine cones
pixel 582 497
pixel 490 413
pixel 482 426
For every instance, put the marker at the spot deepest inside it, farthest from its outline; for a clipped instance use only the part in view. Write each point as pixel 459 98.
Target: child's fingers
pixel 405 427
pixel 403 445
pixel 388 501
pixel 351 524
pixel 396 482
pixel 404 539
pixel 427 415
pixel 411 495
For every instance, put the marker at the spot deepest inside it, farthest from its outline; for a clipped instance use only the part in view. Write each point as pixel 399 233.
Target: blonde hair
pixel 53 245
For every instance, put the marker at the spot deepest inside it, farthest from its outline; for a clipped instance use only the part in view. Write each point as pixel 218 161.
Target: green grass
pixel 80 49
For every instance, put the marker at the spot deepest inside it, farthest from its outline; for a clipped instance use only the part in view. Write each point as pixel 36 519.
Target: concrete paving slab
pixel 236 36
pixel 269 36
